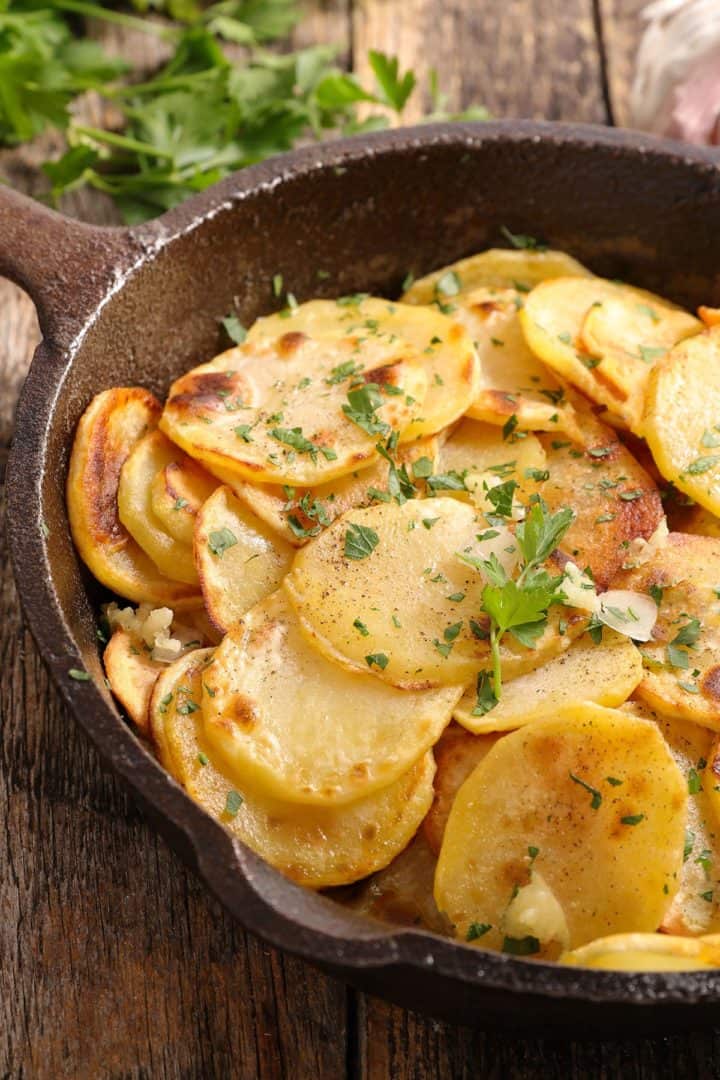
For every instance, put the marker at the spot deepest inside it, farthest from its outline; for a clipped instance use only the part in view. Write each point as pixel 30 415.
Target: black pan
pixel 139 306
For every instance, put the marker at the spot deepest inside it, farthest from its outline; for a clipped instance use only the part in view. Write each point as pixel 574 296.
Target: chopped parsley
pixel 220 540
pixel 360 541
pixel 521 241
pixel 379 659
pixel 702 464
pixel 596 800
pixel 694 783
pixel 234 329
pixel 79 675
pixel 361 627
pixel 477 930
pixel 233 802
pixel 363 403
pixel 632 819
pixel 294 438
pixel 485 695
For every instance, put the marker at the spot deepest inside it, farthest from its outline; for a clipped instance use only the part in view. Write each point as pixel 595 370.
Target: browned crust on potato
pixel 603 478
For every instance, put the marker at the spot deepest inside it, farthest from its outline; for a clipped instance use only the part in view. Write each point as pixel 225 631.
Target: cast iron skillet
pixel 139 306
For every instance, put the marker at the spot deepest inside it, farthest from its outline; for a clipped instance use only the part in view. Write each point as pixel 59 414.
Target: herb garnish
pixel 360 541
pixel 220 540
pixel 520 606
pixel 596 800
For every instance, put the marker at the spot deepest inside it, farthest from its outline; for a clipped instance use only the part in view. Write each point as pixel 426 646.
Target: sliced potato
pixel 645 952
pixel 496 268
pixel 302 728
pixel 475 450
pixel 402 893
pixel 604 338
pixel 314 846
pixel 272 409
pixel 457 753
pixel 113 423
pixel 514 385
pixel 148 457
pixel 614 499
pixel 240 561
pixel 298 514
pixel 446 350
pixel 606 674
pixel 682 418
pixel 682 661
pixel 132 674
pixel 696 906
pixel 546 801
pixel 177 493
pixel 406 609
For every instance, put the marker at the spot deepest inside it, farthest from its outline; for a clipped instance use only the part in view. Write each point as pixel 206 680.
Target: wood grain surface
pixel 114 962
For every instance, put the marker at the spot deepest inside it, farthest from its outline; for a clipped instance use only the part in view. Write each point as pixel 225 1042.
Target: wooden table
pixel 114 961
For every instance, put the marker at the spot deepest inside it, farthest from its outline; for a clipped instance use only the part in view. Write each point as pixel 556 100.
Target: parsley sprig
pixel 520 606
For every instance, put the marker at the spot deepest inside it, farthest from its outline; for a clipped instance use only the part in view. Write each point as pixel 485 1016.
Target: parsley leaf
pixel 360 541
pixel 362 407
pixel 234 329
pixel 521 241
pixel 220 540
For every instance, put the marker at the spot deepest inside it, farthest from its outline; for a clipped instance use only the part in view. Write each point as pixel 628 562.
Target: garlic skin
pixel 676 90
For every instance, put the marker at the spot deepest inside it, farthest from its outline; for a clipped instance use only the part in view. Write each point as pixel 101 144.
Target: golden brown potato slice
pixel 303 729
pixel 111 426
pixel 696 906
pixel 402 893
pixel 682 661
pixel 457 753
pixel 314 846
pixel 606 674
pixel 646 952
pixel 515 386
pixel 682 418
pixel 614 499
pixel 585 810
pixel 272 409
pixel 148 457
pixel 384 590
pixel 604 338
pixel 177 493
pixel 479 450
pixel 496 268
pixel 132 674
pixel 446 351
pixel 240 561
pixel 299 514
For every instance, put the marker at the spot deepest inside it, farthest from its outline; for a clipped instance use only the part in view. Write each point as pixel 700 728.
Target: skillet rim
pixel 233 873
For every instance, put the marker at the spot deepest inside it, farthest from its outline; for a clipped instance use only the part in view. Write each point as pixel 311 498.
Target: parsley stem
pixel 134 22
pixel 495 636
pixel 123 142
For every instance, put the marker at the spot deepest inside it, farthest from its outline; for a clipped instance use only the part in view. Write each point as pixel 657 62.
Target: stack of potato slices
pixel 425 602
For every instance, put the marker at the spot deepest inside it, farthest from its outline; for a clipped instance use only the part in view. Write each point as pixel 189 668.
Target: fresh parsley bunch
pixel 202 115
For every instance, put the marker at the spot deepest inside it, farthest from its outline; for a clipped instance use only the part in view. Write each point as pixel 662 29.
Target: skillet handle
pixel 65 266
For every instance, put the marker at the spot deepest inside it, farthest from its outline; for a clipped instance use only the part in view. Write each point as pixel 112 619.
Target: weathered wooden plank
pixel 621 31
pixel 531 58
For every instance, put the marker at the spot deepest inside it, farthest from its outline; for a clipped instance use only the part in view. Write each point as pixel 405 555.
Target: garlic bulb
pixel 676 90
